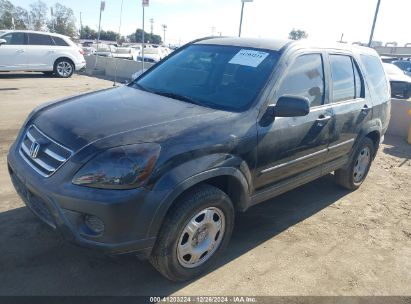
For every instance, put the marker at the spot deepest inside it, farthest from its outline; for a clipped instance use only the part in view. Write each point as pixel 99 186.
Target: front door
pixel 293 145
pixel 13 54
pixel 42 52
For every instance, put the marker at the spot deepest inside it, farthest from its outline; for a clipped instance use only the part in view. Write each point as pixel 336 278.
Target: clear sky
pixel 190 19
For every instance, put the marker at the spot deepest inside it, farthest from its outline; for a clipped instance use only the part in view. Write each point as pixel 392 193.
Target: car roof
pixel 35 32
pixel 279 44
pixel 257 43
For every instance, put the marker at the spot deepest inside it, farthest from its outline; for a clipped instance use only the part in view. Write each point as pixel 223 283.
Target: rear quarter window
pixel 374 73
pixel 59 41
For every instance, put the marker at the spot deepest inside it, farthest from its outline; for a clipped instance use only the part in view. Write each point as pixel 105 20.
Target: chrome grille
pixel 42 153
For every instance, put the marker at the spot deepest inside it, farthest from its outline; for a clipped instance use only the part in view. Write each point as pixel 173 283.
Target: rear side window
pixel 343 82
pixel 305 78
pixel 39 39
pixel 59 41
pixel 14 38
pixel 359 82
pixel 375 75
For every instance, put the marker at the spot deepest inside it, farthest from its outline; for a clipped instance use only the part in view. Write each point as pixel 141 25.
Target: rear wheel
pixel 194 234
pixel 352 177
pixel 63 68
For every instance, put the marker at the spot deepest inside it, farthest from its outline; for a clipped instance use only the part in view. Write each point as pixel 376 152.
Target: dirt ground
pixel 316 240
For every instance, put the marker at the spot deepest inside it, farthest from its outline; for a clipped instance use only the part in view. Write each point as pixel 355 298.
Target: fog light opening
pixel 94 224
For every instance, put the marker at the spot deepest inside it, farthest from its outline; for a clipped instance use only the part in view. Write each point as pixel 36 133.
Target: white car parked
pixel 40 52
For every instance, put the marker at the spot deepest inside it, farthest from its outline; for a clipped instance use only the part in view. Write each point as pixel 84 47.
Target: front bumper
pixel 127 214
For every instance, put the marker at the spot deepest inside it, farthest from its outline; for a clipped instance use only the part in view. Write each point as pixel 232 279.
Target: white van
pixel 40 52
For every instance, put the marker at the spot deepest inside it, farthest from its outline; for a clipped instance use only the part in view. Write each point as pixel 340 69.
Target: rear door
pixel 347 98
pixel 41 52
pixel 13 54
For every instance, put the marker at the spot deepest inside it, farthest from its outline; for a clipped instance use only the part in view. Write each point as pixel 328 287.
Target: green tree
pixel 8 11
pixel 21 18
pixel 38 15
pixel 109 35
pixel 297 34
pixel 138 37
pixel 88 33
pixel 63 21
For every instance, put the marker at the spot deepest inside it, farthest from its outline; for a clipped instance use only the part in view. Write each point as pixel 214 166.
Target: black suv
pixel 160 166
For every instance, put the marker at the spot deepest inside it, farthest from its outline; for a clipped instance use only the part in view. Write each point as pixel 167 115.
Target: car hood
pixel 82 120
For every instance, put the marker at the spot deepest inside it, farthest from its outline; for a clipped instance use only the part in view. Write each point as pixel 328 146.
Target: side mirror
pixel 2 41
pixel 291 106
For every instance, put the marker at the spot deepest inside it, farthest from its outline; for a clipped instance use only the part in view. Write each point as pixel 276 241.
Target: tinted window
pixel 59 41
pixel 342 78
pixel 376 76
pixel 38 39
pixel 305 78
pixel 223 77
pixel 14 38
pixel 359 82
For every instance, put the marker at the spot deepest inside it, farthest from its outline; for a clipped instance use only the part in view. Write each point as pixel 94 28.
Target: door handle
pixel 20 51
pixel 322 120
pixel 365 109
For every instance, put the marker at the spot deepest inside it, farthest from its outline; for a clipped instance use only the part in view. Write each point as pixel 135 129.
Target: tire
pixel 354 175
pixel 172 254
pixel 63 68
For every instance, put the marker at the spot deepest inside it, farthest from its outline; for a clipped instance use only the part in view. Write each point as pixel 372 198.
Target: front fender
pixel 180 180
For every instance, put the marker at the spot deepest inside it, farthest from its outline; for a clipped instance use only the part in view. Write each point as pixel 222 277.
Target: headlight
pixel 124 167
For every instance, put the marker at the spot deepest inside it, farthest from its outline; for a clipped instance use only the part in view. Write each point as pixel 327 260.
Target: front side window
pixel 342 73
pixel 305 78
pixel 39 39
pixel 222 77
pixel 14 38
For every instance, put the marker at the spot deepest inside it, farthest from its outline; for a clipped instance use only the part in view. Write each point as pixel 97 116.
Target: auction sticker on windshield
pixel 248 58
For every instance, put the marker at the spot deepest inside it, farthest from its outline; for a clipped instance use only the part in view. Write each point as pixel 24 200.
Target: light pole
pixel 102 7
pixel 241 17
pixel 164 33
pixel 374 22
pixel 118 42
pixel 145 3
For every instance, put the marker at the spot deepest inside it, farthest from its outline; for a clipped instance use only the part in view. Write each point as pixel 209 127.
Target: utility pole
pixel 52 17
pixel 164 33
pixel 81 26
pixel 152 27
pixel 102 7
pixel 241 17
pixel 374 22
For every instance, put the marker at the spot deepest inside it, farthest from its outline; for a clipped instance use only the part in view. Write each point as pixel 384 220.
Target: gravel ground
pixel 315 240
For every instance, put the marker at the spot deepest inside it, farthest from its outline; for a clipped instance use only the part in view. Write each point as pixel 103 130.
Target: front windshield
pixel 222 77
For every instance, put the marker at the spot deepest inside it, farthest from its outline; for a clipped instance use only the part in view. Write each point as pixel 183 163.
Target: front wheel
pixel 352 177
pixel 194 234
pixel 63 68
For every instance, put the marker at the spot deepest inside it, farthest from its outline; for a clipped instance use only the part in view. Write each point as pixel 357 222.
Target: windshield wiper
pixel 179 97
